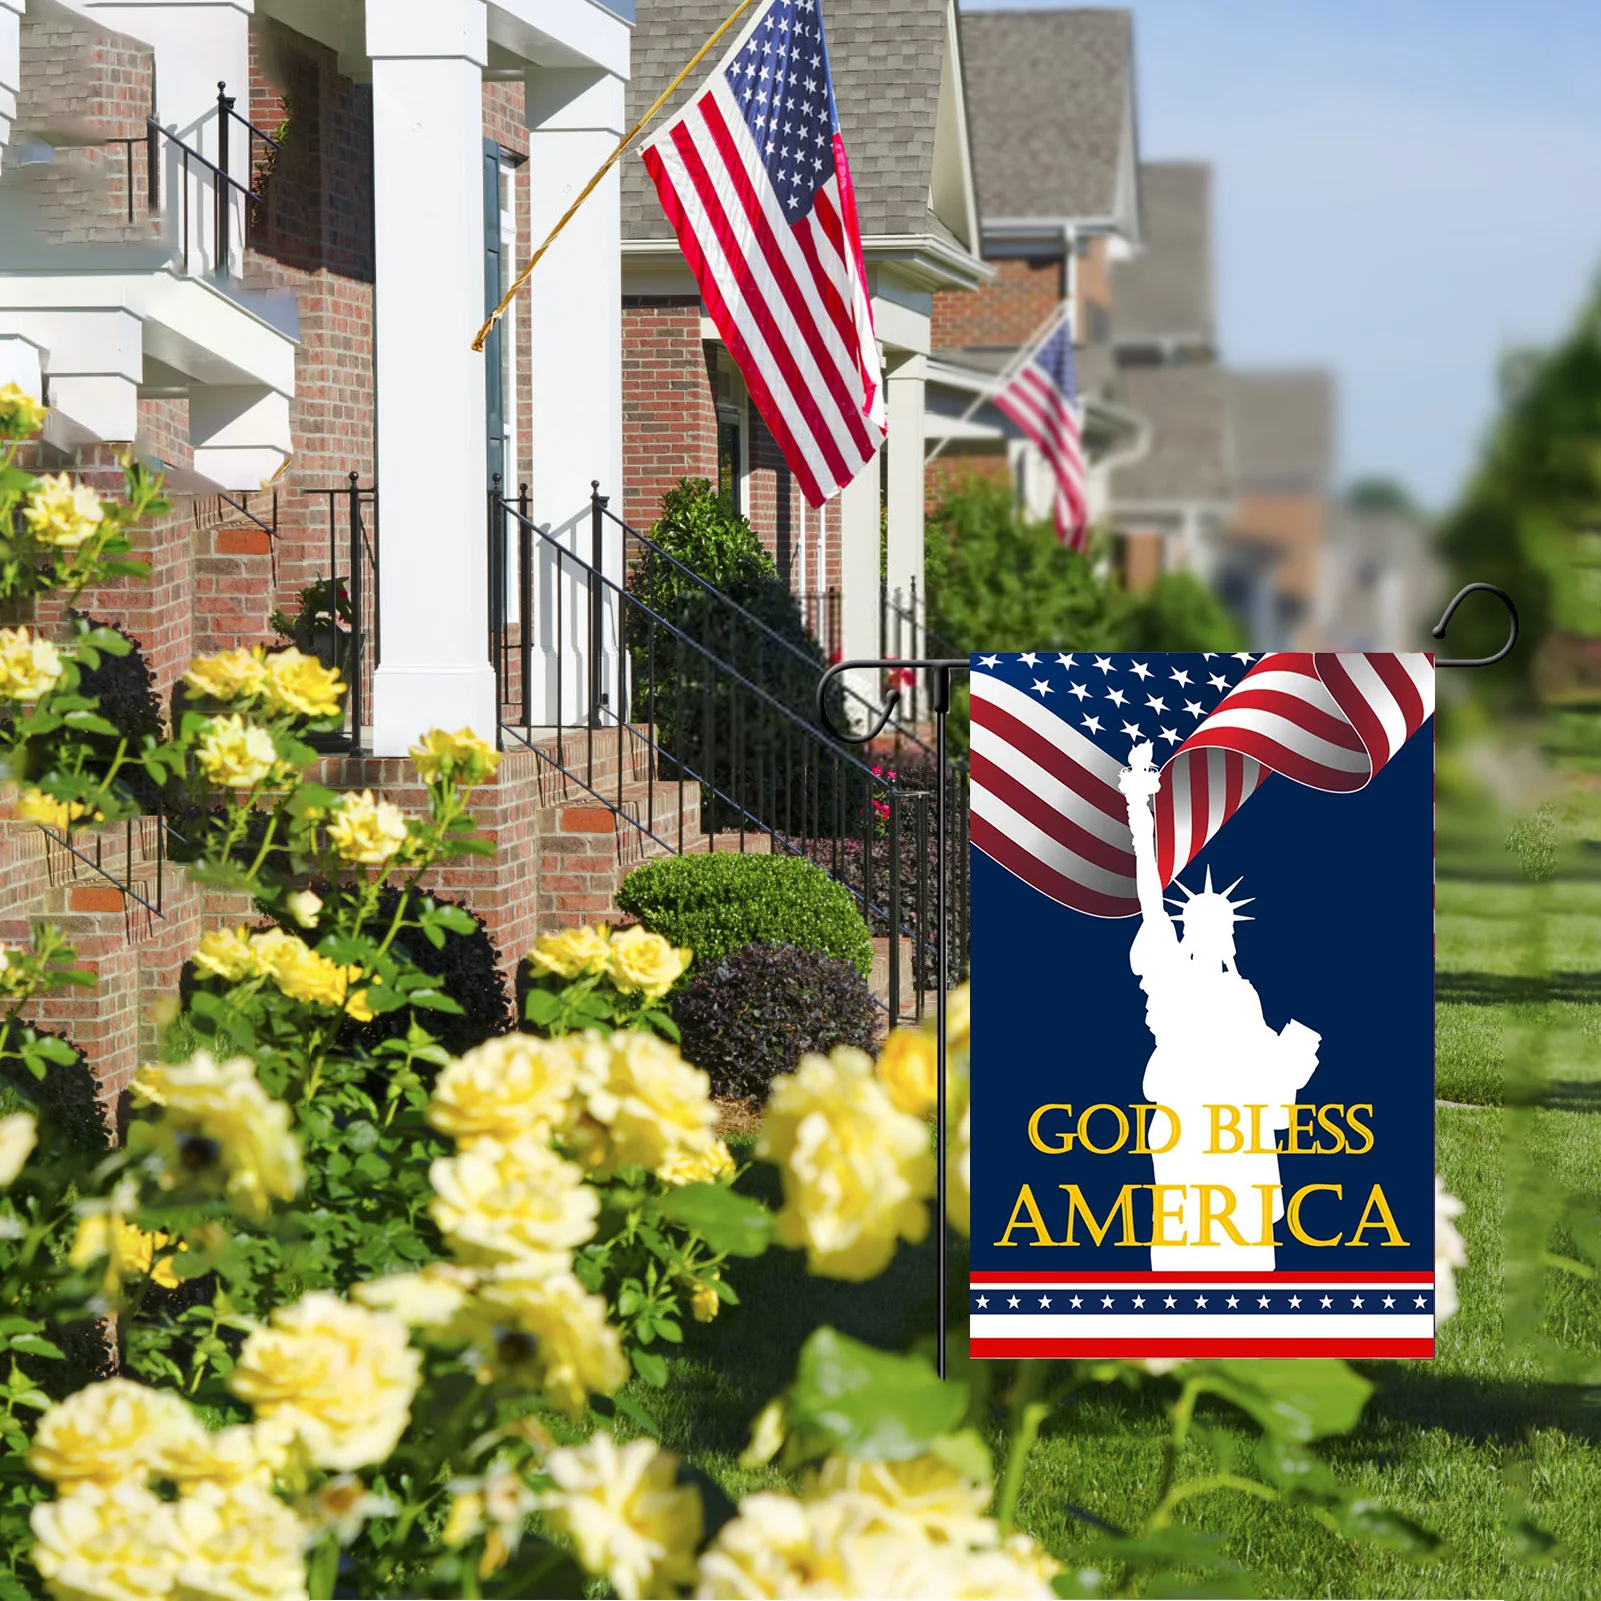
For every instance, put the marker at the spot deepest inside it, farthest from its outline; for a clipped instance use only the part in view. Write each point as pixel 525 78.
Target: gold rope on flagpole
pixel 610 162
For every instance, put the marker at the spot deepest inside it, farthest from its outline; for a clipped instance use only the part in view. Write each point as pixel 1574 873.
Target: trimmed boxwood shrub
pixel 720 903
pixel 124 689
pixel 753 1014
pixel 67 1099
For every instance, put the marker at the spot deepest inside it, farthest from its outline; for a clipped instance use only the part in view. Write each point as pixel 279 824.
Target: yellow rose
pixel 646 962
pixel 302 685
pixel 105 1543
pixel 549 1332
pixel 921 1489
pixel 462 755
pixel 304 907
pixel 229 675
pixel 627 1516
pixel 340 1376
pixel 111 1431
pixel 508 1087
pixel 500 1499
pixel 29 668
pixel 62 513
pixel 495 1203
pixel 705 1303
pixel 226 953
pixel 856 1171
pixel 21 416
pixel 779 1546
pixel 573 953
pixel 306 976
pixel 237 1543
pixel 220 1128
pixel 342 1506
pixel 643 1103
pixel 130 1252
pixel 238 1454
pixel 235 754
pixel 18 1136
pixel 365 831
pixel 699 1167
pixel 34 806
pixel 434 1298
pixel 275 949
pixel 908 1067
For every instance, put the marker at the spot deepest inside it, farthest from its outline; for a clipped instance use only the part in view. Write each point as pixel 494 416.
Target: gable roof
pixel 1048 95
pixel 1165 293
pixel 887 57
pixel 1187 411
pixel 1283 429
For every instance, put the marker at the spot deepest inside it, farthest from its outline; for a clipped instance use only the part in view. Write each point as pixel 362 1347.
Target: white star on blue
pixel 1063 683
pixel 786 41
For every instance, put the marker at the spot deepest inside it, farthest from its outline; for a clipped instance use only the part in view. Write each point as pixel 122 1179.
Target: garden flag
pixel 753 177
pixel 1203 1077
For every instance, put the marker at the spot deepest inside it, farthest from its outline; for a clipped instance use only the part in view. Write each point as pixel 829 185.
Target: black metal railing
pixel 226 190
pixel 820 610
pixel 144 839
pixel 352 641
pixel 904 634
pixel 659 697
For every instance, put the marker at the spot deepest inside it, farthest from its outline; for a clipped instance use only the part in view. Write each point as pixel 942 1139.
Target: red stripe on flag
pixel 727 324
pixel 1045 879
pixel 823 436
pixel 1052 758
pixel 1045 817
pixel 1116 1346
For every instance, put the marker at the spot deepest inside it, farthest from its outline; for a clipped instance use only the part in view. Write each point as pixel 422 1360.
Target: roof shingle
pixel 887 57
pixel 1187 411
pixel 1283 429
pixel 1165 293
pixel 1048 93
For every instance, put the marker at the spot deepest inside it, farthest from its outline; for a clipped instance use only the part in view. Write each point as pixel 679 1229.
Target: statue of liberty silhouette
pixel 1213 1049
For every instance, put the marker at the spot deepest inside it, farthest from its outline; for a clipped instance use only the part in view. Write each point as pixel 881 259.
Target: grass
pixel 1501 1431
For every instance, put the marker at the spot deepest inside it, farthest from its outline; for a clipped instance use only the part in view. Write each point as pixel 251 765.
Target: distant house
pixel 1056 153
pixel 897 71
pixel 1233 482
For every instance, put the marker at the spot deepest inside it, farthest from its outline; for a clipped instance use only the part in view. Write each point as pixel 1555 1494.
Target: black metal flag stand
pixel 939 670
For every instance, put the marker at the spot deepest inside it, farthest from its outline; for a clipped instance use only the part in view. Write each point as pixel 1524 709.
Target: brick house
pixel 1056 156
pixel 898 79
pixel 382 167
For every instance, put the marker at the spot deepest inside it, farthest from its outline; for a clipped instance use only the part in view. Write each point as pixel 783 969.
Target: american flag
pixel 1053 730
pixel 1042 399
pixel 753 177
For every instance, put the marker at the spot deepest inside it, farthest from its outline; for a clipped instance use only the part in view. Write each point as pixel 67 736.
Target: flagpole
pixel 606 166
pixel 1003 377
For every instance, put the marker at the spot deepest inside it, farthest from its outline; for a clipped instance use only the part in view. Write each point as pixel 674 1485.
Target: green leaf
pixel 37 1345
pixel 1294 1469
pixel 1298 1398
pixel 729 1223
pixel 1382 1525
pixel 968 1454
pixel 541 1007
pixel 651 1367
pixel 872 1403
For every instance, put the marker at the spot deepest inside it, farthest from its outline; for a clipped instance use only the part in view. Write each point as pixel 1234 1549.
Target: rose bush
pixel 337 1301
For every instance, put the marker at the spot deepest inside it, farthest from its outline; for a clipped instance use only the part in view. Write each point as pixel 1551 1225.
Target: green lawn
pixel 1499 1427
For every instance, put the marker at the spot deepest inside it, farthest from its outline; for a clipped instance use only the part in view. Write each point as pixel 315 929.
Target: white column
pixel 428 217
pixel 904 545
pixel 575 118
pixel 858 578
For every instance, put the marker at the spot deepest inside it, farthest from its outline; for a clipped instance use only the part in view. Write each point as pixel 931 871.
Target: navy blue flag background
pixel 1290 967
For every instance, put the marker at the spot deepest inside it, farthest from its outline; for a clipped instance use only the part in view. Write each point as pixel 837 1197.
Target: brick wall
pixel 1005 311
pixel 1092 307
pixel 669 414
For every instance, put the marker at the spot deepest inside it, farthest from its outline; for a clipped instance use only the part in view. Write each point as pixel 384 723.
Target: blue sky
pixel 1402 188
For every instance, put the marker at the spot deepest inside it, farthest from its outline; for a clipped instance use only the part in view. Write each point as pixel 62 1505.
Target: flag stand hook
pixel 939 670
